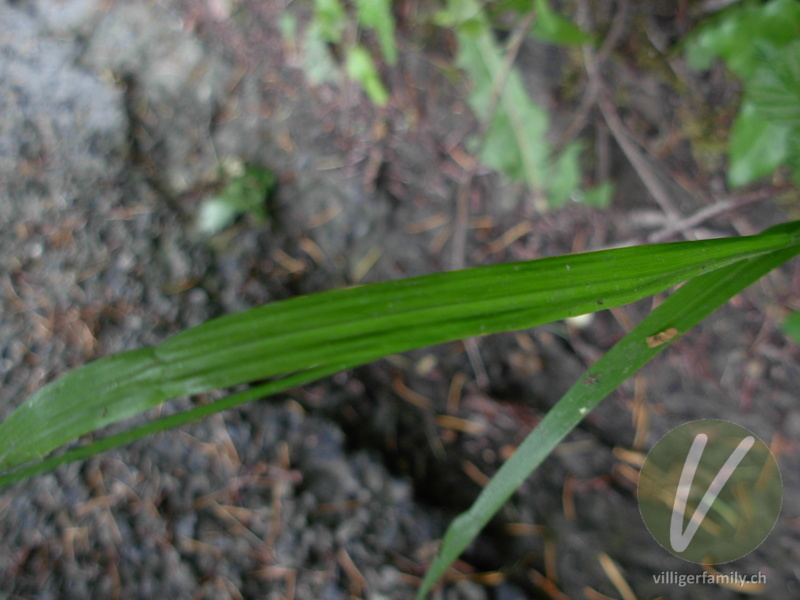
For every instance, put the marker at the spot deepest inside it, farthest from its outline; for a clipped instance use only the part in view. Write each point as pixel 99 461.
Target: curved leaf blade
pixel 343 328
pixel 681 311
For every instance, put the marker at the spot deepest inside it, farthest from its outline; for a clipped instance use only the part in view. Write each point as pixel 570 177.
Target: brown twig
pixel 637 158
pixel 594 95
pixel 710 211
pixel 683 226
pixel 594 85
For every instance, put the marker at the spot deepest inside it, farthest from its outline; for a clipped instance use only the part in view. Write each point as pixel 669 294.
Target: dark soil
pixel 114 117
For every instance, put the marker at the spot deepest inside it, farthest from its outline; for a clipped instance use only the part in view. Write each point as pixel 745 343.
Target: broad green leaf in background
pixel 759 43
pixel 552 28
pixel 680 312
pixel 307 337
pixel 757 147
pixel 774 87
pixel 377 15
pixel 361 68
pixel 791 327
pixel 737 34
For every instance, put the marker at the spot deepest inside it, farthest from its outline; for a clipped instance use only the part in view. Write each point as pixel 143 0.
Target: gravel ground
pixel 114 117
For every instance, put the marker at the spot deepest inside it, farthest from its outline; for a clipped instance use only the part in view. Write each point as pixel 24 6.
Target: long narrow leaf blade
pixel 343 328
pixel 680 312
pixel 198 412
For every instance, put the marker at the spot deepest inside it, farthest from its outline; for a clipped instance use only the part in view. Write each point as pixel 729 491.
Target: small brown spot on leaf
pixel 659 339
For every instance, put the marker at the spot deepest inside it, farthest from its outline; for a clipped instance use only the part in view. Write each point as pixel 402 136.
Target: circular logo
pixel 710 491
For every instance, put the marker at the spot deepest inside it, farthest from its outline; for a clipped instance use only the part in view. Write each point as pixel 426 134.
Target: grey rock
pixel 175 87
pixel 68 17
pixel 60 126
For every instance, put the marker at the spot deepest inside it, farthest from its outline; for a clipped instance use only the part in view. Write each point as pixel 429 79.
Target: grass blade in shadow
pixel 681 311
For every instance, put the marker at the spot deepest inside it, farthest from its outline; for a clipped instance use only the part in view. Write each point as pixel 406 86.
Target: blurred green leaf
pixel 791 327
pixel 318 62
pixel 774 87
pixel 330 19
pixel 794 157
pixel 500 6
pixel 515 143
pixel 215 215
pixel 757 147
pixel 599 196
pixel 552 28
pixel 759 43
pixel 327 28
pixel 456 13
pixel 287 24
pixel 311 45
pixel 377 15
pixel 515 140
pixel 248 192
pixel 361 68
pixel 245 193
pixel 565 176
pixel 736 33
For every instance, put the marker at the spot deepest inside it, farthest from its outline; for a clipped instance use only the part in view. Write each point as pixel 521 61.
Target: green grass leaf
pixel 680 312
pixel 332 331
pixel 162 424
